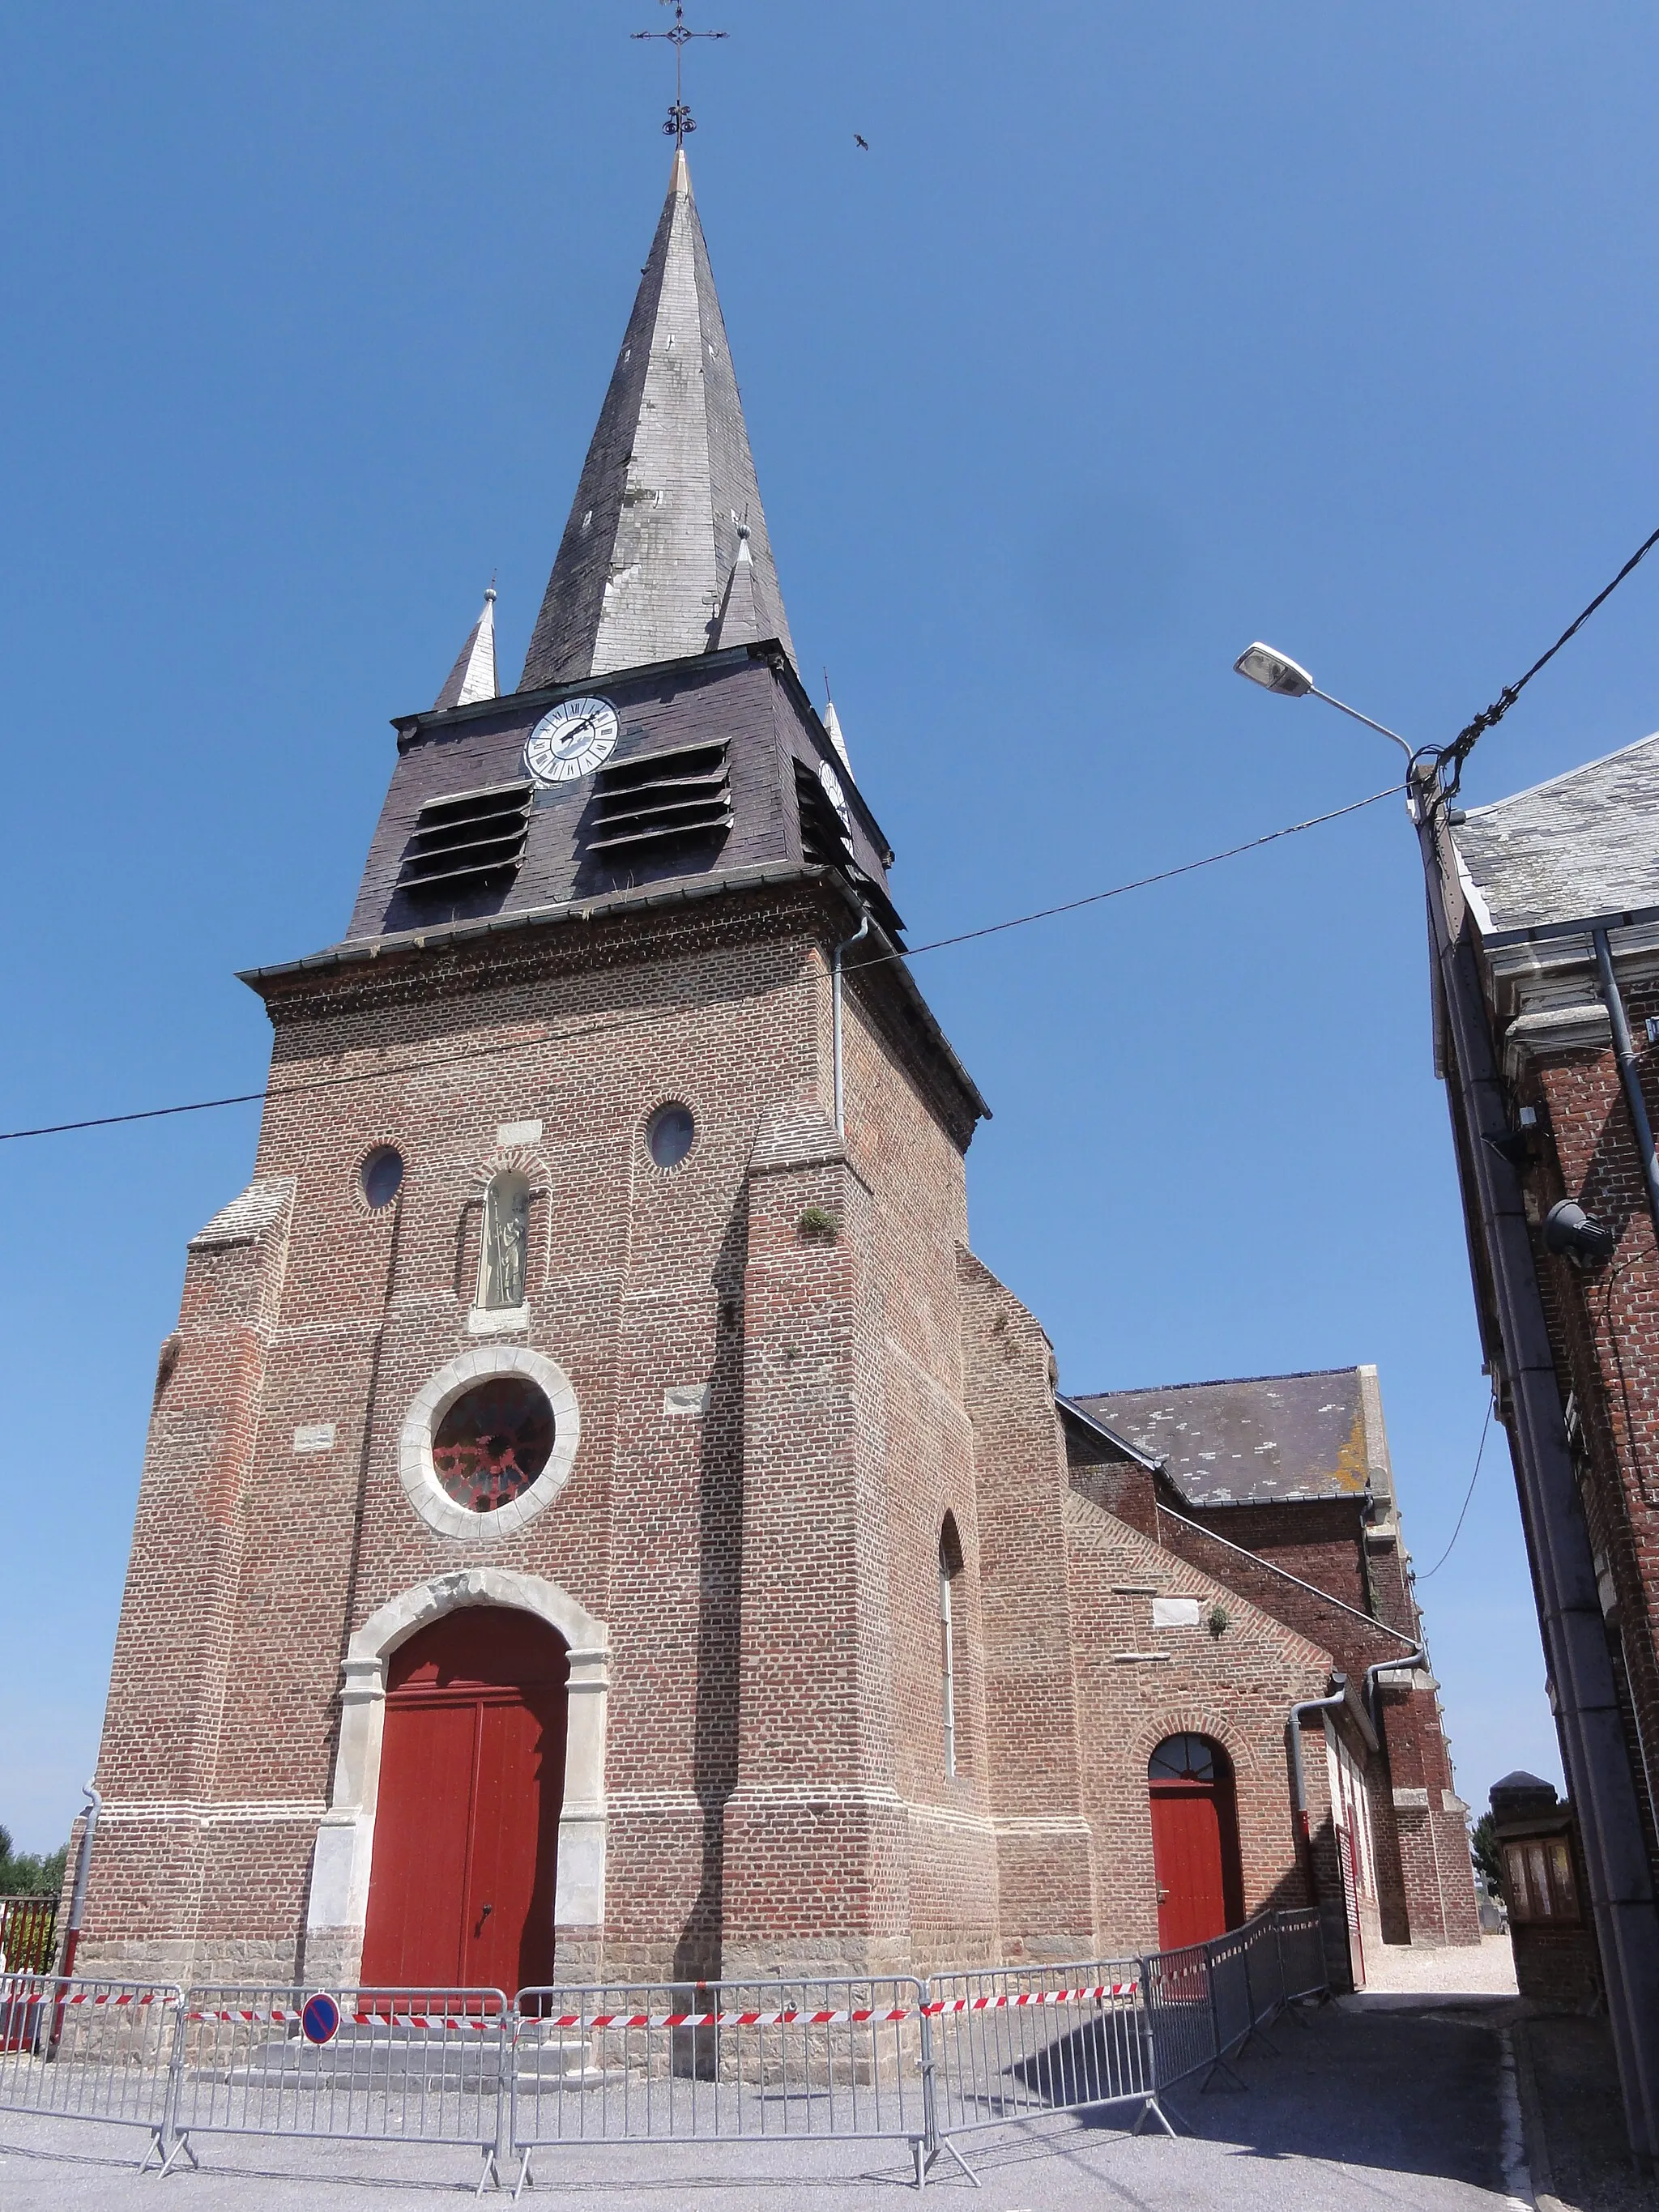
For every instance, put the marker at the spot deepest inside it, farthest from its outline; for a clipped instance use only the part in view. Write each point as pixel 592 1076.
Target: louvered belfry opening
pixel 826 842
pixel 469 842
pixel 648 810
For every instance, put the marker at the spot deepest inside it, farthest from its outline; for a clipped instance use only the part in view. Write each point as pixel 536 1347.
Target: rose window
pixel 493 1443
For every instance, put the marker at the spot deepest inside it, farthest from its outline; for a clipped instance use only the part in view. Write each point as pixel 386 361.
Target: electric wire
pixel 1139 883
pixel 1486 1427
pixel 1464 742
pixel 473 1052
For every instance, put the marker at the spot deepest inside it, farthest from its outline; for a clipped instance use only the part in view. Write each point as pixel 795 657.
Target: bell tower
pixel 601 1266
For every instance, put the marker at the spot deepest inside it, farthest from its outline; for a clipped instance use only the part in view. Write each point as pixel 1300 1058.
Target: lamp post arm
pixel 1381 728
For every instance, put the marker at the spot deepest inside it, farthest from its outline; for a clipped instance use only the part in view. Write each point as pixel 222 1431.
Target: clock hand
pixel 575 729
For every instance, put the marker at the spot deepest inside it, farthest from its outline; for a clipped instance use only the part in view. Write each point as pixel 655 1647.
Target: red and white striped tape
pixel 857 2016
pixel 1033 1997
pixel 461 2023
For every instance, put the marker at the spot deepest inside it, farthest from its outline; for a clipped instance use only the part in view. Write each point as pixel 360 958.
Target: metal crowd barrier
pixel 1180 2012
pixel 1302 1953
pixel 888 2058
pixel 87 2050
pixel 1006 2043
pixel 421 2066
pixel 719 2061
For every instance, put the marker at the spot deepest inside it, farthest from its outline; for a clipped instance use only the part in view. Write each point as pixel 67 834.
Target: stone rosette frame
pixel 338 1910
pixel 419 1476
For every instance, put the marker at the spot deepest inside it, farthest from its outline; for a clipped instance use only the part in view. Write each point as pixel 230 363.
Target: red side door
pixel 461 1891
pixel 1189 1861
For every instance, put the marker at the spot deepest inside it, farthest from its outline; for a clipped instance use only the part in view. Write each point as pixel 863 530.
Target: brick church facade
pixel 598 1515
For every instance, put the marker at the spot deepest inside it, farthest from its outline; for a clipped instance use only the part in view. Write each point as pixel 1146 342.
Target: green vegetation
pixel 30 1873
pixel 1483 1845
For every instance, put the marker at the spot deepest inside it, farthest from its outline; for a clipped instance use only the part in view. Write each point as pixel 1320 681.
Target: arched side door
pixel 461 1889
pixel 1194 1841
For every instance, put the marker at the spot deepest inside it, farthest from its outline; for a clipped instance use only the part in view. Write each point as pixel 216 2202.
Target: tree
pixel 1483 1850
pixel 30 1873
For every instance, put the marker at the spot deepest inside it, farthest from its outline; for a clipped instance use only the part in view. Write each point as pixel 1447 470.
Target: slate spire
pixel 650 556
pixel 473 675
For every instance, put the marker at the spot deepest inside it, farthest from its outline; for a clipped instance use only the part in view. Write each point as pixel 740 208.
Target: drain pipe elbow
pixel 1298 1773
pixel 846 946
pixel 1418 1656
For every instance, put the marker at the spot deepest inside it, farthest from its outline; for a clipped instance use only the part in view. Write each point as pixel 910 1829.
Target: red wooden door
pixel 1195 1842
pixel 461 1891
pixel 1192 1904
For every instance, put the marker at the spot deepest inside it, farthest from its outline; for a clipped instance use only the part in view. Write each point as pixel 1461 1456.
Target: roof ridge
pixel 1214 1383
pixel 1549 783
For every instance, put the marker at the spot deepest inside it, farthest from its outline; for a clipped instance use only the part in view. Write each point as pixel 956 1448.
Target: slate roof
pixel 1259 1440
pixel 648 556
pixel 473 675
pixel 758 716
pixel 1584 844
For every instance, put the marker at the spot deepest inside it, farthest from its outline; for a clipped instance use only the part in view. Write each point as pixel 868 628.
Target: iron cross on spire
pixel 680 117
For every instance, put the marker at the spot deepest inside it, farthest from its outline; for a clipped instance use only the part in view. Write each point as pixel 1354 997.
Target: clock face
pixel 570 740
pixel 837 797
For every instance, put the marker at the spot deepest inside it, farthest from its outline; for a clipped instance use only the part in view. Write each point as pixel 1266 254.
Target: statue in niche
pixel 506 1241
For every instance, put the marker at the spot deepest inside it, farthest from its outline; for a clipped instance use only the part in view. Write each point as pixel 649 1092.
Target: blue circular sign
pixel 320 2019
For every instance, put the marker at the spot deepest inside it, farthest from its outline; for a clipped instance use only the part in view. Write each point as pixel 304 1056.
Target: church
pixel 599 1517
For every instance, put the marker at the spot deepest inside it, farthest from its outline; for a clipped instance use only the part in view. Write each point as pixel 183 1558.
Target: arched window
pixel 950 1567
pixel 1184 1759
pixel 506 1242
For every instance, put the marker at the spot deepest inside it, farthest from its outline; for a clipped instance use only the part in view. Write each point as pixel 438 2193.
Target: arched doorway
pixel 461 1888
pixel 1201 1893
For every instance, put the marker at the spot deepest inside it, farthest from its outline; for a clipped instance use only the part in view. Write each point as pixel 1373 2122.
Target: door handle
pixel 483 1916
pixel 1162 1897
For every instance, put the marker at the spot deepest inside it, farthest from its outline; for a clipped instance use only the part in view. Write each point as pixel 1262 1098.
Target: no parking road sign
pixel 320 2019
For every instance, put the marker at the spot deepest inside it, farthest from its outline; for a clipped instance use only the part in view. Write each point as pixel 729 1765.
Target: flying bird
pixel 861 140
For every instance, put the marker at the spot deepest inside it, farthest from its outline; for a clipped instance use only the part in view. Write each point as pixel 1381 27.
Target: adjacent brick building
pixel 598 1515
pixel 1544 914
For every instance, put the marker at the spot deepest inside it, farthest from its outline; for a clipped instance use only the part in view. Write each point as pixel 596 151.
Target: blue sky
pixel 1135 335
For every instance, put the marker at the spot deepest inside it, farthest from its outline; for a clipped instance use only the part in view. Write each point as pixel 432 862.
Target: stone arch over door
pixel 345 1840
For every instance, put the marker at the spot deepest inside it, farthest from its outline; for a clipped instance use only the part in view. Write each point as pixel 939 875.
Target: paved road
pixel 1363 2111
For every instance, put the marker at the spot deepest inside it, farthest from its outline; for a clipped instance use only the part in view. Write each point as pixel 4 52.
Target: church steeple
pixel 473 675
pixel 667 501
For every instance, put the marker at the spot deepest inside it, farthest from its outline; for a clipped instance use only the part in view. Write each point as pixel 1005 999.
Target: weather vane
pixel 680 117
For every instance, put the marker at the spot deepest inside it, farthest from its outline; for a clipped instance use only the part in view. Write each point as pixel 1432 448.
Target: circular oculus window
pixel 670 1134
pixel 493 1443
pixel 489 1441
pixel 381 1178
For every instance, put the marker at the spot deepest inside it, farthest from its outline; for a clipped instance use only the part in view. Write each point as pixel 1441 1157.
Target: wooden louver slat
pixel 467 841
pixel 665 799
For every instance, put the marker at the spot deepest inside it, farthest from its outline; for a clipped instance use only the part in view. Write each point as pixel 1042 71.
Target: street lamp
pixel 1276 671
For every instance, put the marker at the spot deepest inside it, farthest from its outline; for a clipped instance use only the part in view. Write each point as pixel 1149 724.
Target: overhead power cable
pixel 1486 1427
pixel 1138 884
pixel 279 1091
pixel 1464 742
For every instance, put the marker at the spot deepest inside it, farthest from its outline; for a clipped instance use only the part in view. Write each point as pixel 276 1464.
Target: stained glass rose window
pixel 493 1443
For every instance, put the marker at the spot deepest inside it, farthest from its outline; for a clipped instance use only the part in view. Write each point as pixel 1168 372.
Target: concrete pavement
pixel 1357 2110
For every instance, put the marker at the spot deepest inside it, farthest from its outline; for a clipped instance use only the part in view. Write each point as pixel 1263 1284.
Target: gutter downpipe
pixel 1338 1698
pixel 1588 1722
pixel 863 930
pixel 77 1906
pixel 1629 1074
pixel 1418 1658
